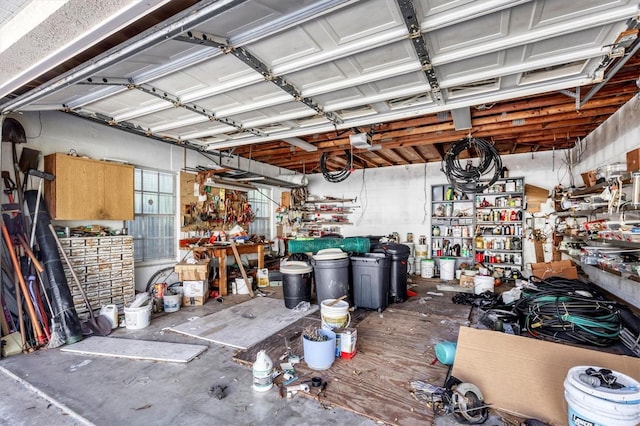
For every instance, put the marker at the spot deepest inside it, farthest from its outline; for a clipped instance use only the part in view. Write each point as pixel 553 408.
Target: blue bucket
pixel 320 355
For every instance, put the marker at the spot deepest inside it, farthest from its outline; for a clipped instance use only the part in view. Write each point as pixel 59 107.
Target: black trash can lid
pixel 394 248
pixel 295 267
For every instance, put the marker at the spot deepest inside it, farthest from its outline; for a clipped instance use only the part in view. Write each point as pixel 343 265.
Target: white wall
pixel 51 132
pixel 398 199
pixel 608 144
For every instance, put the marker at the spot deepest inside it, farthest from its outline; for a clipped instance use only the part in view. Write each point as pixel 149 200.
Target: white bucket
pixel 418 265
pixel 239 286
pixel 335 316
pixel 111 312
pixel 421 250
pixel 482 283
pixel 601 405
pixel 171 302
pixel 137 318
pixel 447 268
pixel 428 265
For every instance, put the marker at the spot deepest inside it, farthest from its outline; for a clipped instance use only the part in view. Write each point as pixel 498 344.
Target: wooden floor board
pixel 395 348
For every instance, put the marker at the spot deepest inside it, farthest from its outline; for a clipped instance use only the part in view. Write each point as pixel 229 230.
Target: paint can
pixel 427 268
pixel 171 302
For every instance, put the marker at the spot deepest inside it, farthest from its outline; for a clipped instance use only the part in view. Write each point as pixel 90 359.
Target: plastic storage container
pixel 350 244
pixel 296 283
pixel 331 274
pixel 399 254
pixel 370 272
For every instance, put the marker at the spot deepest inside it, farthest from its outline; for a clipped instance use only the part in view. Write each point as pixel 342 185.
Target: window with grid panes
pixel 154 224
pixel 261 224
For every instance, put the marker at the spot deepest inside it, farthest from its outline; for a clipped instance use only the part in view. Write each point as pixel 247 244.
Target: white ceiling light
pixel 297 142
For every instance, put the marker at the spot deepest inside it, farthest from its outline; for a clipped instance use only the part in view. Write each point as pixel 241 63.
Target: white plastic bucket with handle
pixel 588 405
pixel 447 268
pixel 335 316
pixel 171 302
pixel 137 318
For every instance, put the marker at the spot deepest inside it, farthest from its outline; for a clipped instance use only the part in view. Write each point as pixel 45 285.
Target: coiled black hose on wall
pixel 466 177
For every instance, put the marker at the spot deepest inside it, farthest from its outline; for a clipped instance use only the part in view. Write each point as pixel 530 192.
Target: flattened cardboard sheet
pixel 526 376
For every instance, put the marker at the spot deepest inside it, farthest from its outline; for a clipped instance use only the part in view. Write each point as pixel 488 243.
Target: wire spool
pixel 338 175
pixel 466 177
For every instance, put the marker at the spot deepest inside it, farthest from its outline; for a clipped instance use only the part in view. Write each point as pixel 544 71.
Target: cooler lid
pixel 330 254
pixel 295 267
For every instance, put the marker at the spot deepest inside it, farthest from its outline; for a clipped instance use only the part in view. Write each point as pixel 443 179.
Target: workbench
pixel 220 251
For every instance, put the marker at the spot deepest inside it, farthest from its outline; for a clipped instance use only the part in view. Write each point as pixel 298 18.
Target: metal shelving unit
pixel 486 227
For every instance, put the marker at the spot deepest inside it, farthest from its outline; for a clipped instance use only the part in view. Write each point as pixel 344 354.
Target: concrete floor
pixel 57 388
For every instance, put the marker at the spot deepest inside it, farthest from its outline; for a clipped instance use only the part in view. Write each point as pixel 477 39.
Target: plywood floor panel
pixel 394 348
pixel 135 349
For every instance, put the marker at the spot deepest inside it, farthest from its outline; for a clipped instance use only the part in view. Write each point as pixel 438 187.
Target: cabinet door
pixel 77 190
pixel 85 189
pixel 118 192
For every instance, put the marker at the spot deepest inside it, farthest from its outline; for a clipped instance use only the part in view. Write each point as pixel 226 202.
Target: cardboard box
pixel 193 271
pixel 195 288
pixel 562 268
pixel 589 178
pixel 195 300
pixel 346 342
pixel 633 160
pixel 467 281
pixel 525 376
pixel 285 199
pixel 536 196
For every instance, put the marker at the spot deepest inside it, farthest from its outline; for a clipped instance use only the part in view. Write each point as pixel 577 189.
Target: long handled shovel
pixel 100 325
pixel 23 288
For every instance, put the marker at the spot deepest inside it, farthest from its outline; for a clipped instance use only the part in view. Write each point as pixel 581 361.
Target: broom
pixel 56 338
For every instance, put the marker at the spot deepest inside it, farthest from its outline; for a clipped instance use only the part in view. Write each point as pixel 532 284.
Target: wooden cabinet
pixel 85 189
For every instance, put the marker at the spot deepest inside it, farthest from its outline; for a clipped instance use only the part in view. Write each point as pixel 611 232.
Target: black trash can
pixel 296 283
pixel 370 273
pixel 331 274
pixel 399 254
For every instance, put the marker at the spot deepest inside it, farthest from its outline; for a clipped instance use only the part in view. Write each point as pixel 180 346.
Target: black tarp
pixel 56 282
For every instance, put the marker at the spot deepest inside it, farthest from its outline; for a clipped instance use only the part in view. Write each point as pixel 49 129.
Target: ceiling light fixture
pixel 297 142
